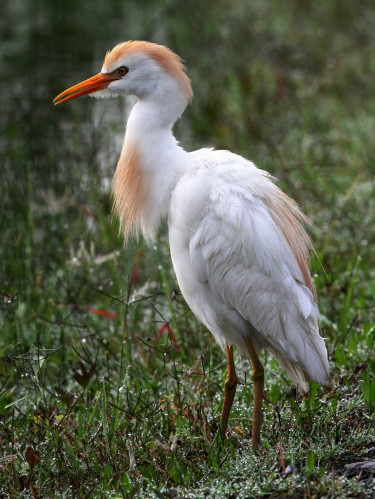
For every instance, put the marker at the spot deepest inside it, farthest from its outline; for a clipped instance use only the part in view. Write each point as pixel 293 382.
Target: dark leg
pixel 258 378
pixel 230 386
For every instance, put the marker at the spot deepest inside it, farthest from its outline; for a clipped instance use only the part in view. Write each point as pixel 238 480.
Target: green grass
pixel 110 409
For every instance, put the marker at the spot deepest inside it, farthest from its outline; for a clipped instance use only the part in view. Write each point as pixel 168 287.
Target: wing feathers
pixel 288 218
pixel 252 251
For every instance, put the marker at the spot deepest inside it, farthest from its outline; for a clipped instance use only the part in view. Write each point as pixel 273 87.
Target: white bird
pixel 237 242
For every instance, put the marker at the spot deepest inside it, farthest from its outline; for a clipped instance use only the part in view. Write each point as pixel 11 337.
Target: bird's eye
pixel 122 70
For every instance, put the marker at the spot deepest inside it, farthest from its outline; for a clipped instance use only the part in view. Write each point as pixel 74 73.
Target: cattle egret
pixel 237 242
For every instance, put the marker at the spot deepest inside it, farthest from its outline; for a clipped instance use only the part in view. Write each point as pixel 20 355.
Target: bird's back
pixel 240 255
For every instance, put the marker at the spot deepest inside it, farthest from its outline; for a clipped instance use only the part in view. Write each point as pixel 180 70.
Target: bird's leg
pixel 258 378
pixel 230 386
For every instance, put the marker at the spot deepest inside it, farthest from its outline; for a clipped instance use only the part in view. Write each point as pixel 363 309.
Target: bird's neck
pixel 149 167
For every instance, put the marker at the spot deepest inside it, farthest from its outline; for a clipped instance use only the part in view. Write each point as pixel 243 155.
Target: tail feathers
pixel 300 377
pixel 316 363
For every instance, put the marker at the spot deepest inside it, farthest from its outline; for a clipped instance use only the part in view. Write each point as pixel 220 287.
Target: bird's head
pixel 143 69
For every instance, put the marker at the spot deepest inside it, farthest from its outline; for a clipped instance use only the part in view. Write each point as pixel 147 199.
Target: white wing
pixel 246 273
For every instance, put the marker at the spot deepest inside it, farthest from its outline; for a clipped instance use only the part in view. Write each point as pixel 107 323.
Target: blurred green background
pixel 286 84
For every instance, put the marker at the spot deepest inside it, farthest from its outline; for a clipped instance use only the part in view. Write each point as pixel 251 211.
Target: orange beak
pixel 97 82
